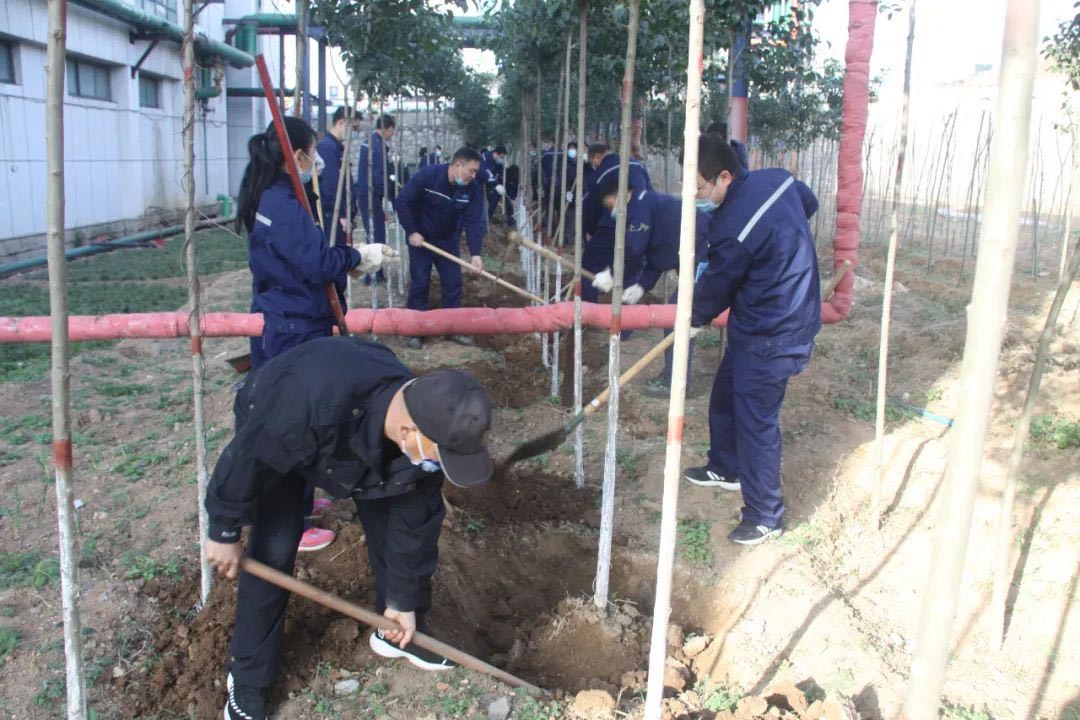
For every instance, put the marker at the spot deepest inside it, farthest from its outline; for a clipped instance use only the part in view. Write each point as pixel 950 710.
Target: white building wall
pixel 123 163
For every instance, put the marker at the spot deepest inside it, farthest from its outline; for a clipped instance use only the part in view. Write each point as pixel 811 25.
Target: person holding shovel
pixel 439 202
pixel 761 263
pixel 290 261
pixel 346 414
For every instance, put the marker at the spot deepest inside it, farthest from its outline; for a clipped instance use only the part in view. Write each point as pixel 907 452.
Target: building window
pixel 149 91
pixel 88 80
pixel 7 62
pixel 161 8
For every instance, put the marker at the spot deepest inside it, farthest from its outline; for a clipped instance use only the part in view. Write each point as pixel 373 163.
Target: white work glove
pixel 500 189
pixel 570 197
pixel 372 257
pixel 604 281
pixel 319 164
pixel 633 294
pixel 393 178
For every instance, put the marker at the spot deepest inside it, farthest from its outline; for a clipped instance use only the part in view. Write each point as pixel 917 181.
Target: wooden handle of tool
pixel 368 617
pixel 468 266
pixel 841 271
pixel 598 401
pixel 549 254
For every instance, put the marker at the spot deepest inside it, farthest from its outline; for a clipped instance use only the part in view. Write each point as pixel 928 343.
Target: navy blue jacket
pixel 291 263
pixel 437 209
pixel 653 229
pixel 766 272
pixel 491 173
pixel 379 179
pixel 594 215
pixel 332 152
pixel 741 153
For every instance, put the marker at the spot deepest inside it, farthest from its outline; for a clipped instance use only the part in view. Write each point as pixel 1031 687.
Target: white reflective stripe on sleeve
pixel 639 197
pixel 436 192
pixel 765 206
pixel 263 219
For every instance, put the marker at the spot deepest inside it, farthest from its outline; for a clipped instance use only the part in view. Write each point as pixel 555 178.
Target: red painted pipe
pixel 392 321
pixel 862 14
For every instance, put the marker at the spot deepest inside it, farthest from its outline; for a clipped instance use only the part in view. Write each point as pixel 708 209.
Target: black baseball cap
pixel 452 409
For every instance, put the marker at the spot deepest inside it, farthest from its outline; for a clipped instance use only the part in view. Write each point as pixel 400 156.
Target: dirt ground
pixel 819 622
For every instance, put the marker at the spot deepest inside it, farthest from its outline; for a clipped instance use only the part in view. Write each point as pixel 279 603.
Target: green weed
pixel 9 640
pixel 475 525
pixel 135 467
pixel 454 706
pixel 27 569
pixel 694 541
pixel 716 698
pixel 529 708
pixel 949 711
pixel 628 461
pixel 1062 433
pixel 52 690
pixel 135 565
pixel 378 688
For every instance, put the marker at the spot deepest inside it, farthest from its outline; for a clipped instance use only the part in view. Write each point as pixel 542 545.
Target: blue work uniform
pixel 741 153
pixel 382 185
pixel 290 266
pixel 653 230
pixel 491 174
pixel 597 221
pixel 439 210
pixel 761 263
pixel 332 151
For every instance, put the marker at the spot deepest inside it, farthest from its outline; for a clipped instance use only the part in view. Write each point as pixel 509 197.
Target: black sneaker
pixel 747 533
pixel 414 343
pixel 245 703
pixel 418 656
pixel 462 340
pixel 705 477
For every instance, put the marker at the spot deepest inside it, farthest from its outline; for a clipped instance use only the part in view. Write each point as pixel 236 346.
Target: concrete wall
pixel 123 162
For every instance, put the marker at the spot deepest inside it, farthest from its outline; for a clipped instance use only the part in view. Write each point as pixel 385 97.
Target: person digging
pixel 345 413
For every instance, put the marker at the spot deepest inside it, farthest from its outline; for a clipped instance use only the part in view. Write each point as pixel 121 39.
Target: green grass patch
pixel 1062 433
pixel 716 698
pixel 9 640
pixel 694 542
pixel 27 569
pixel 529 708
pixel 135 566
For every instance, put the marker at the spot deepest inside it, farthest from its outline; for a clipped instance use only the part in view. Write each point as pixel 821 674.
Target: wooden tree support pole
pixel 554 257
pixel 607 506
pixel 206 575
pixel 468 266
pixel 890 268
pixel 55 54
pixel 579 432
pixel 986 316
pixel 669 514
pixel 375 620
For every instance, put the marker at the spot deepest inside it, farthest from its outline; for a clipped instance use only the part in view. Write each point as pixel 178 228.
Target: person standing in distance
pixel 761 263
pixel 436 204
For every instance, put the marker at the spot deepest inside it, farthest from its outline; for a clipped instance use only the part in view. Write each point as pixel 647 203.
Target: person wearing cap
pixel 347 414
pixel 492 173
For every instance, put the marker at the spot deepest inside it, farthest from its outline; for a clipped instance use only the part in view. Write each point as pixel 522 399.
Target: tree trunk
pixel 56 51
pixel 680 366
pixel 301 55
pixel 985 329
pixel 607 510
pixel 890 267
pixel 579 183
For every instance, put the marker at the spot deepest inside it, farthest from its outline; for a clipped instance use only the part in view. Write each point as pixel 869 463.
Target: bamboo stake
pixel 1021 430
pixel 556 337
pixel 985 329
pixel 206 575
pixel 579 432
pixel 56 51
pixel 607 509
pixel 301 54
pixel 1068 208
pixel 539 263
pixel 375 620
pixel 468 266
pixel 665 565
pixel 541 250
pixel 890 271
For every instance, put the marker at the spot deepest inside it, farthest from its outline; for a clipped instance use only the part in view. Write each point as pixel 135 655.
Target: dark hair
pixel 714 156
pixel 500 149
pixel 717 127
pixel 467 154
pixel 338 115
pixel 265 158
pixel 571 144
pixel 598 149
pixel 423 150
pixel 611 186
pixel 386 121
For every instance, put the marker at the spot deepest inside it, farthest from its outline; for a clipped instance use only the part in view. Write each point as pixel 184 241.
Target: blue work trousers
pixel 669 354
pixel 421 260
pixel 744 425
pixel 376 234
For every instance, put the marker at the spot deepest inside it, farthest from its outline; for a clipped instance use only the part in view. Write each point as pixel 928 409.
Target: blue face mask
pixel 460 182
pixel 571 154
pixel 500 161
pixel 615 213
pixel 706 205
pixel 426 464
pixel 305 176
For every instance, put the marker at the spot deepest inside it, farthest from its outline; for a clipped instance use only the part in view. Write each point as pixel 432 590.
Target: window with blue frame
pixel 160 8
pixel 7 62
pixel 87 79
pixel 149 91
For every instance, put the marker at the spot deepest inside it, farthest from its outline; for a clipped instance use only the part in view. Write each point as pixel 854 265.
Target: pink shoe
pixel 320 505
pixel 315 539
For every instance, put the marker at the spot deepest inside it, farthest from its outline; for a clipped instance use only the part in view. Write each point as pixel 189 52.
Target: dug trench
pixel 517 560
